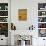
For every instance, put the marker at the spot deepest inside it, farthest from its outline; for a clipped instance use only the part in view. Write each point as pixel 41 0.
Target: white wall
pixel 31 13
pixel 32 6
pixel 32 9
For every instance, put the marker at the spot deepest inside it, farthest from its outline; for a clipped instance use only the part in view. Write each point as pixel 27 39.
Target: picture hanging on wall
pixel 22 14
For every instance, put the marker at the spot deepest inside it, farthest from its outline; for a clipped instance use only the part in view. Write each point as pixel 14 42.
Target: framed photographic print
pixel 22 14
